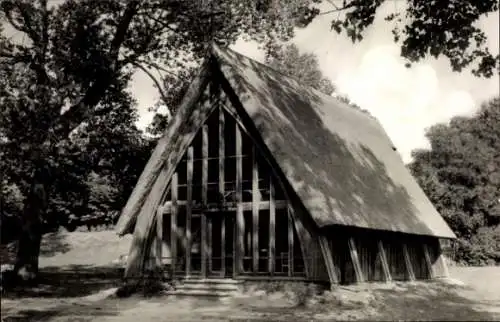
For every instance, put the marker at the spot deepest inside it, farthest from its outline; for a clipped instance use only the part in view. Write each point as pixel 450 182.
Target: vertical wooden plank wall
pixel 428 260
pixel 355 260
pixel 408 263
pixel 255 210
pixel 240 222
pixel 328 255
pixel 336 247
pixel 221 187
pixel 308 236
pixel 153 262
pixel 290 242
pixel 159 237
pixel 272 228
pixel 377 258
pixel 385 263
pixel 439 265
pixel 189 198
pixel 204 192
pixel 173 220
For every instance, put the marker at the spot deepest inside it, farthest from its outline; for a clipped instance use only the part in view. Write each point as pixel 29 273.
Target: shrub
pixel 483 248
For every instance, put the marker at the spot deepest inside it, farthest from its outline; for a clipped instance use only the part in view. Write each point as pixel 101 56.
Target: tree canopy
pixel 302 66
pixel 67 131
pixel 461 176
pixel 427 28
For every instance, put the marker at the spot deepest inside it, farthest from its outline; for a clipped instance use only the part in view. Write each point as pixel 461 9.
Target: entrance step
pixel 219 281
pixel 206 287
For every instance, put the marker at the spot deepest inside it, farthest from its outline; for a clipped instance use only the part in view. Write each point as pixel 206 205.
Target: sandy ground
pixel 78 284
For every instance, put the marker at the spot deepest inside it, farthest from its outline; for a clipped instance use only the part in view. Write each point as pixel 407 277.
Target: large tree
pixel 461 175
pixel 70 64
pixel 426 28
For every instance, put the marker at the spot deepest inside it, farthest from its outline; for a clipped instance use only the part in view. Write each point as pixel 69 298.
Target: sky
pixel 406 101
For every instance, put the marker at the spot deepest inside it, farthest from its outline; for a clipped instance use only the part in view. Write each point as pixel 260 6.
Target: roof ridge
pixel 216 48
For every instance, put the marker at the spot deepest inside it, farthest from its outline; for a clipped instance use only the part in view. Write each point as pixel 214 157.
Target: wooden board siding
pixel 297 138
pixel 272 229
pixel 395 259
pixel 255 209
pixel 338 247
pixel 381 255
pixel 417 258
pixel 222 159
pixel 329 262
pixel 304 225
pixel 360 277
pixel 438 262
pixel 367 253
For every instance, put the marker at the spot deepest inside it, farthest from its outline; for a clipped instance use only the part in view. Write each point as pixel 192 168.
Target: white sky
pixel 405 100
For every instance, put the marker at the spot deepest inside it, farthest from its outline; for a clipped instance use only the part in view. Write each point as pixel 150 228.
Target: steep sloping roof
pixel 339 160
pixel 168 151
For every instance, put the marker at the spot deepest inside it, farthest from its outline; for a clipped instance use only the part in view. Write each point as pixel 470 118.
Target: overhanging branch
pixel 79 111
pixel 153 78
pixel 159 68
pixel 337 8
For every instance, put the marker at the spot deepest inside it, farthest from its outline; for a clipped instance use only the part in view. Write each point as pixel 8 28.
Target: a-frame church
pixel 259 177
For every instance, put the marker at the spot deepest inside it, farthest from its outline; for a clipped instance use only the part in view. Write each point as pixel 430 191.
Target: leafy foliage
pixel 302 66
pixel 64 99
pixel 174 88
pixel 431 27
pixel 461 176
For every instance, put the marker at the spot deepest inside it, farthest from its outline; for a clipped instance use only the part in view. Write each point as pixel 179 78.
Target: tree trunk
pixel 35 206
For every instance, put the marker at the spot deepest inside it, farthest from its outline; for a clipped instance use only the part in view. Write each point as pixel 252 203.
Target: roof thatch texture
pixel 339 160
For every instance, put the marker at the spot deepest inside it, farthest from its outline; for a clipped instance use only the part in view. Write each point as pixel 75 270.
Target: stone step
pixel 221 281
pixel 207 286
pixel 200 293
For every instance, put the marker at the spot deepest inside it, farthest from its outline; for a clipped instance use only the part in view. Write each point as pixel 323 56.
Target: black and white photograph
pixel 249 160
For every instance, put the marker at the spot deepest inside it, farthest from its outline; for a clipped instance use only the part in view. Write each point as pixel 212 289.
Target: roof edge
pixel 218 53
pixel 147 178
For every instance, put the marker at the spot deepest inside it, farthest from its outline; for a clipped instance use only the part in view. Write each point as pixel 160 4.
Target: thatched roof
pixel 339 160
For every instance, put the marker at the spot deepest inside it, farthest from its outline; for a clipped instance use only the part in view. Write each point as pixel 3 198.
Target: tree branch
pixel 28 23
pixel 153 78
pixel 158 68
pixel 337 8
pixel 79 111
pixel 39 39
pixel 45 28
pixel 161 23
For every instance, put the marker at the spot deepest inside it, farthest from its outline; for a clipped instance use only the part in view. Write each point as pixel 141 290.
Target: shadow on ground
pixel 409 302
pixel 70 293
pixel 435 302
pixel 62 311
pixel 69 281
pixel 82 293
